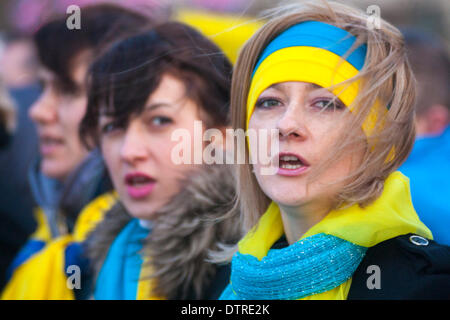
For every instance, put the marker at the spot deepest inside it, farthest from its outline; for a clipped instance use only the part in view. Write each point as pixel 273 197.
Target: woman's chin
pixel 143 211
pixel 289 200
pixel 286 195
pixel 55 170
pixel 142 215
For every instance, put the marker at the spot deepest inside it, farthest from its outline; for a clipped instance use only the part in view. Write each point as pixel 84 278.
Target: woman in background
pixel 335 220
pixel 70 185
pixel 154 242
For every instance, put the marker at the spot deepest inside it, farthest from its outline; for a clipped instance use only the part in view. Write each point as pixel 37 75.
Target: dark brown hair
pixel 122 79
pixel 57 46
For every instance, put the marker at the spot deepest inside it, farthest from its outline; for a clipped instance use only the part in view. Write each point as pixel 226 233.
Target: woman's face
pixel 57 115
pixel 310 123
pixel 138 156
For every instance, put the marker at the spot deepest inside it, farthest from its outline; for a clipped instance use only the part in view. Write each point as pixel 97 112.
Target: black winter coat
pixel 410 267
pixel 406 267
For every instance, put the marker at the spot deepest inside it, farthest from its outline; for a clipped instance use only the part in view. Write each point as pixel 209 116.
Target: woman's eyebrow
pixel 315 86
pixel 278 86
pixel 156 105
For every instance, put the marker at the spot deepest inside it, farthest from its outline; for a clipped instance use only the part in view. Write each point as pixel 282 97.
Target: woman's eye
pixel 109 127
pixel 327 105
pixel 267 103
pixel 161 121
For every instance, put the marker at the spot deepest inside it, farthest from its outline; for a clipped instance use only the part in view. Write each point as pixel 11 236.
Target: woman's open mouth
pixel 49 144
pixel 139 185
pixel 291 164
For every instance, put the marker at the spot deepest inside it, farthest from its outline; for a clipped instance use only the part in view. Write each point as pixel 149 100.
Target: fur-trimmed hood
pixel 200 218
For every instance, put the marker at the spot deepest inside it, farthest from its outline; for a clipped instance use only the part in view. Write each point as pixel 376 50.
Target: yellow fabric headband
pixel 304 53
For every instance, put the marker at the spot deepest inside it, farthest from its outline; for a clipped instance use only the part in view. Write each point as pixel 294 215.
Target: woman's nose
pixel 44 110
pixel 291 124
pixel 133 146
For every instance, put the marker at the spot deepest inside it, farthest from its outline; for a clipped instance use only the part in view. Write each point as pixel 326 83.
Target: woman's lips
pixel 139 185
pixel 291 164
pixel 48 145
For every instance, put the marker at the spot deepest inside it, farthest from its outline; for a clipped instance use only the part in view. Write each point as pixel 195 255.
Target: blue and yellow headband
pixel 311 51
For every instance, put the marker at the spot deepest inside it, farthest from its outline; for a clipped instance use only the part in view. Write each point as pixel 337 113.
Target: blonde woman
pixel 335 221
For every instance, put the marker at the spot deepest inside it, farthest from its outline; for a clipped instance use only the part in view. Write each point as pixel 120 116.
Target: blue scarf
pixel 118 279
pixel 313 265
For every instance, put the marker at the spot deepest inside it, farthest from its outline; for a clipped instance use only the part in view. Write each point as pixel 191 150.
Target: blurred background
pixel 19 86
pixel 20 18
pixel 26 15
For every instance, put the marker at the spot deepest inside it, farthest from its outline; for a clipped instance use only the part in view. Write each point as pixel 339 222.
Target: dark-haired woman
pixel 66 177
pixel 146 93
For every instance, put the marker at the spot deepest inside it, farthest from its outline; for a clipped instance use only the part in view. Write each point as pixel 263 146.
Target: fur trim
pixel 188 228
pixel 199 219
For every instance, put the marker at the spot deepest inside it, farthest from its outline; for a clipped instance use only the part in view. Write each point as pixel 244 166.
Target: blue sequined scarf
pixel 309 266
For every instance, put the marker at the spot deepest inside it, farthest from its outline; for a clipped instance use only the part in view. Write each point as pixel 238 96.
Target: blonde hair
pixel 386 77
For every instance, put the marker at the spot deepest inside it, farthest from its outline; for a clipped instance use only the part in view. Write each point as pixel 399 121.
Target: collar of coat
pixel 199 219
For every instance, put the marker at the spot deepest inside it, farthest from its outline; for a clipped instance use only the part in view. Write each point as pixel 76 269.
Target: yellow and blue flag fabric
pixel 40 270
